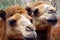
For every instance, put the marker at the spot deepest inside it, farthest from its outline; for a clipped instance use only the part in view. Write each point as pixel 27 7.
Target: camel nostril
pixel 12 22
pixel 52 11
pixel 29 29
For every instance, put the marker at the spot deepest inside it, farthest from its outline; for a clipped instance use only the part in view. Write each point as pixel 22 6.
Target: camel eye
pixel 12 22
pixel 36 11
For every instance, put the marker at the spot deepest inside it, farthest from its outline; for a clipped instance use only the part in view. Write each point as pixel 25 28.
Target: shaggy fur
pixel 1 28
pixel 2 25
pixel 40 14
pixel 55 32
pixel 11 10
pixel 17 28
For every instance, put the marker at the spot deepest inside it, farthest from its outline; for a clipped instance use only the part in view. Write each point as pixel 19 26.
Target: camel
pixel 18 24
pixel 44 16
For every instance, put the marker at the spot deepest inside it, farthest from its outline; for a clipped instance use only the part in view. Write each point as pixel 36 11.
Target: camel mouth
pixel 52 21
pixel 29 38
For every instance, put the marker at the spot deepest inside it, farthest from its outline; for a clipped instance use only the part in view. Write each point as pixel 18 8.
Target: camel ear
pixel 29 10
pixel 3 14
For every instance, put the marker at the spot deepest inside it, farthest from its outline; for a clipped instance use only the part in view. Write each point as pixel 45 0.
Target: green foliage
pixel 5 3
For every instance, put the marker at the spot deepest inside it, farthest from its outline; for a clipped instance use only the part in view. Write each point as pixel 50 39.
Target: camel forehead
pixel 11 10
pixel 43 6
pixel 15 16
pixel 39 3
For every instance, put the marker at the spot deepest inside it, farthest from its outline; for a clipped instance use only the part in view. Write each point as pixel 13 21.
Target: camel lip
pixel 52 21
pixel 29 38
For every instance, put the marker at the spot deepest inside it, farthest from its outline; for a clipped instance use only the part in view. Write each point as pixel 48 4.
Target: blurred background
pixel 24 3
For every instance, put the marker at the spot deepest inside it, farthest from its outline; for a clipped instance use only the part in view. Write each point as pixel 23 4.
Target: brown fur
pixel 14 36
pixel 42 26
pixel 2 25
pixel 14 12
pixel 55 32
pixel 38 3
pixel 1 29
pixel 11 10
pixel 35 4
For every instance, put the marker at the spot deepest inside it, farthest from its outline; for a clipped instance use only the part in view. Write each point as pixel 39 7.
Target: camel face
pixel 19 25
pixel 45 14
